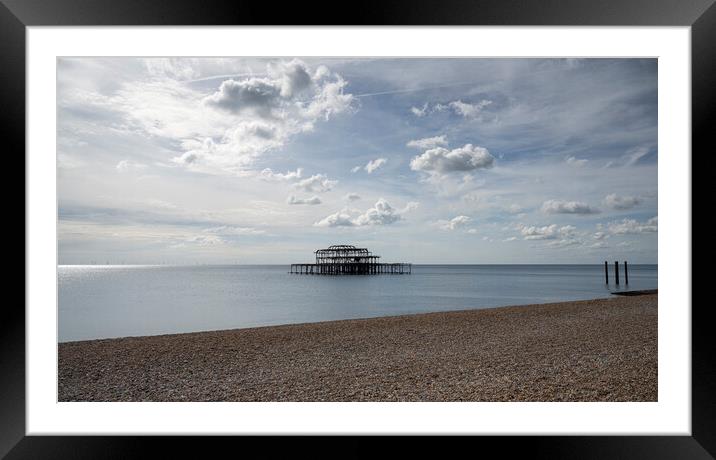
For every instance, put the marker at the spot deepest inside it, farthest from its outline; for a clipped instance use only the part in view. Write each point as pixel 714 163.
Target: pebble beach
pixel 594 350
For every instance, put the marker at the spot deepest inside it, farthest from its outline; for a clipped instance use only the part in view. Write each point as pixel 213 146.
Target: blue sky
pixel 248 160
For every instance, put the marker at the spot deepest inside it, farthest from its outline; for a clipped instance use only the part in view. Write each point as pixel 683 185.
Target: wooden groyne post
pixel 616 272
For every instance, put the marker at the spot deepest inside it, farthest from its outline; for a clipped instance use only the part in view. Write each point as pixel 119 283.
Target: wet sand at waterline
pixel 593 350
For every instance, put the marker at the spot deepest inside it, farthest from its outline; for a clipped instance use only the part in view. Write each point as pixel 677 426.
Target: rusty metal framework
pixel 345 259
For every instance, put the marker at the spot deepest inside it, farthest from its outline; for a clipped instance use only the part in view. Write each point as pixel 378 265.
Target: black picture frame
pixel 16 15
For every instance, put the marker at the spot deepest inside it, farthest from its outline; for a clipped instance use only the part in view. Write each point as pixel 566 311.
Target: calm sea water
pixel 119 301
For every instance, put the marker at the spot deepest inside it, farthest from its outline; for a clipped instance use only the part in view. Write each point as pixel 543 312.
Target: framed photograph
pixel 443 221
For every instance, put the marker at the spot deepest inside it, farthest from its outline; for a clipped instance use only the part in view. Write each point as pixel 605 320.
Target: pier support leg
pixel 606 272
pixel 626 273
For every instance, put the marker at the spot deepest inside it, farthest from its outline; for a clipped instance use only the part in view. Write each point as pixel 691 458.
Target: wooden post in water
pixel 626 273
pixel 606 272
pixel 616 272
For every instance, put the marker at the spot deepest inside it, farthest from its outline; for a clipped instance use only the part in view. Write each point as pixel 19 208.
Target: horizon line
pixel 292 263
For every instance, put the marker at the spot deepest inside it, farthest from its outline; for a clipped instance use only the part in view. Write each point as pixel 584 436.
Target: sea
pixel 107 301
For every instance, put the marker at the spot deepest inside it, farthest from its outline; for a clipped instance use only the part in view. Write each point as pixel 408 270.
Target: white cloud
pixel 441 160
pixel 258 94
pixel 539 233
pixel 600 235
pixel 330 100
pixel 352 197
pixel 231 230
pixel 144 108
pixel 567 207
pixel 374 165
pixel 420 112
pixel 294 77
pixel 558 237
pixel 547 232
pixel 193 69
pixel 615 201
pixel 630 157
pixel 312 201
pixel 371 166
pixel 428 142
pixel 261 114
pixel 567 231
pixel 564 243
pixel 339 219
pixel 268 175
pixel 382 213
pixel 177 69
pixel 633 227
pixel 233 152
pixel 128 165
pixel 411 206
pixel 287 84
pixel 634 155
pixel 464 109
pixel 468 110
pixel 317 183
pixel 577 163
pixel 454 223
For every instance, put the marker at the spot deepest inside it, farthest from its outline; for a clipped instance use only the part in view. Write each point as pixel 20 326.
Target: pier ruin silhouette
pixel 344 259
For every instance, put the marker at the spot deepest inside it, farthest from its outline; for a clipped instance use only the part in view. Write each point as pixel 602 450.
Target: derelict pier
pixel 349 260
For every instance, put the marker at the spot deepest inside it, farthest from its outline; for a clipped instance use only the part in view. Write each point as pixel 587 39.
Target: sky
pixel 441 160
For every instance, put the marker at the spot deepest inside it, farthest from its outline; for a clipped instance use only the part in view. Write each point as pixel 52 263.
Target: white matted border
pixel 670 415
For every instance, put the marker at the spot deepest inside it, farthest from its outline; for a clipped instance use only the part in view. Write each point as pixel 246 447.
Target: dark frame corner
pixel 16 15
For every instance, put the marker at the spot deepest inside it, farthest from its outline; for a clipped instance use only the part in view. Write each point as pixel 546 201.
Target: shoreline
pixel 587 350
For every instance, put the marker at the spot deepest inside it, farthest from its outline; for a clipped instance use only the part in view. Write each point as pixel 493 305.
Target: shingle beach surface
pixel 595 350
